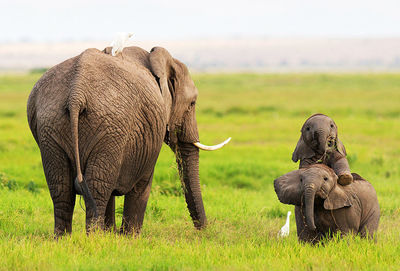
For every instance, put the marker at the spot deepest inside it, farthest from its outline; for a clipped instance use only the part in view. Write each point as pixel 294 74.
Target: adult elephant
pixel 101 121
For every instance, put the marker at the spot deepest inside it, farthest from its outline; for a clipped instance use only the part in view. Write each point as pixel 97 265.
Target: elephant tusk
pixel 211 148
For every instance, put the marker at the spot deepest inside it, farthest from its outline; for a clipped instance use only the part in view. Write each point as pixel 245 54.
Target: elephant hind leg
pixel 135 206
pixel 370 227
pixel 101 175
pixel 101 192
pixel 58 172
pixel 101 172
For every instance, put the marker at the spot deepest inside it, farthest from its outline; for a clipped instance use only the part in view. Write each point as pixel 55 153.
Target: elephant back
pixel 357 177
pixel 114 85
pixel 365 196
pixel 112 94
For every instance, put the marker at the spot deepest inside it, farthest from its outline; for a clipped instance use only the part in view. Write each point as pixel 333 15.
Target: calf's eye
pixel 325 178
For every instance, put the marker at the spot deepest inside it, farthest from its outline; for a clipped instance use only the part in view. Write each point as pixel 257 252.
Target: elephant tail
pixel 80 183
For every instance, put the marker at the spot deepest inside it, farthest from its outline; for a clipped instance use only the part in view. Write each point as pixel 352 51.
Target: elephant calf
pixel 323 206
pixel 319 143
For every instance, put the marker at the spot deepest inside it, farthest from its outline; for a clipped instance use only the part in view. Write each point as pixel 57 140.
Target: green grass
pixel 263 114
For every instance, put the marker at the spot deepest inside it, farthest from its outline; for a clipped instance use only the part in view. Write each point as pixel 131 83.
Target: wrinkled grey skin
pixel 101 120
pixel 323 207
pixel 319 143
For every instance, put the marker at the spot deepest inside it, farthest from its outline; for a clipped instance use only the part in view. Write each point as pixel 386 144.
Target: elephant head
pixel 180 94
pixel 318 135
pixel 301 187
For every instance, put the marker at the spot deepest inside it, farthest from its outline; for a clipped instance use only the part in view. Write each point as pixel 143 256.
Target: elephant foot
pixel 345 179
pixel 129 232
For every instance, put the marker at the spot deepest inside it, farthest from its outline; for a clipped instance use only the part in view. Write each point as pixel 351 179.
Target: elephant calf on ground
pixel 319 143
pixel 324 207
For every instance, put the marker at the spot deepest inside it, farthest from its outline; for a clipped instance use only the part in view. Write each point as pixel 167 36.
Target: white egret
pixel 119 42
pixel 284 232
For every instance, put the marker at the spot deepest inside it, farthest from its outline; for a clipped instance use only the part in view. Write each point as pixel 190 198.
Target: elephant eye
pixel 331 125
pixel 308 128
pixel 193 103
pixel 325 178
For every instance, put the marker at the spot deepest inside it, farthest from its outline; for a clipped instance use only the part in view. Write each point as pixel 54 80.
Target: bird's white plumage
pixel 284 232
pixel 119 42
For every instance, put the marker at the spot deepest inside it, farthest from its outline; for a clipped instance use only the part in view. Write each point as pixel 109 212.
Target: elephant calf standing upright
pixel 100 121
pixel 319 143
pixel 324 207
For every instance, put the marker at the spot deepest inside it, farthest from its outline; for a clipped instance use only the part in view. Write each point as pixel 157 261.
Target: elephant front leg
pixel 135 206
pixel 342 170
pixel 304 234
pixel 110 215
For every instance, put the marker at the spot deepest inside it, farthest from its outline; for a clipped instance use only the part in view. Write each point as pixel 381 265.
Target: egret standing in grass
pixel 284 232
pixel 119 43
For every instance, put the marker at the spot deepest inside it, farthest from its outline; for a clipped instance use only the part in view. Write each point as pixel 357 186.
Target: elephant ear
pixel 288 188
pixel 302 151
pixel 163 67
pixel 340 147
pixel 337 199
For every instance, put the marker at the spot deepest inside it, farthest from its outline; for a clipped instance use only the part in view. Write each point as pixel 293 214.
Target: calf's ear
pixel 288 188
pixel 337 198
pixel 302 151
pixel 340 147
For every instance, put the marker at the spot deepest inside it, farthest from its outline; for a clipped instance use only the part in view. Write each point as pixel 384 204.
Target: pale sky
pixel 78 20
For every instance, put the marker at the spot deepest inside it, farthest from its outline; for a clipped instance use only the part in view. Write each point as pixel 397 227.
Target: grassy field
pixel 263 114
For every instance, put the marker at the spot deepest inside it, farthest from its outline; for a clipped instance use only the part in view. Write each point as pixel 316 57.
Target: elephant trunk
pixel 322 141
pixel 188 164
pixel 309 196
